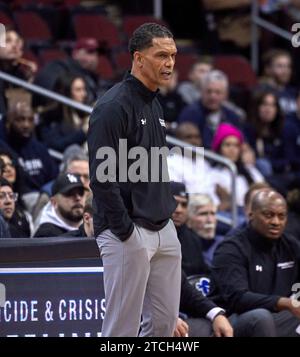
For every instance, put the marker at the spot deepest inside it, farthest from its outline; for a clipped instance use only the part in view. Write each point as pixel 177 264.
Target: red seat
pixel 122 61
pixel 97 26
pixel 32 26
pixel 5 19
pixel 238 70
pixel 51 54
pixel 183 63
pixel 105 68
pixel 131 22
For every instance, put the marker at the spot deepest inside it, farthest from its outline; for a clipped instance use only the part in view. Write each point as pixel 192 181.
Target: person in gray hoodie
pixel 64 212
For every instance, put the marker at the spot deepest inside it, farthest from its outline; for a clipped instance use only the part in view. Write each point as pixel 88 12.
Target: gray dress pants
pixel 142 277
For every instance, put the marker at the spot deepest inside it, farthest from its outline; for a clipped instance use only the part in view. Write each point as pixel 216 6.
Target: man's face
pixel 88 59
pixel 204 221
pixel 214 94
pixel 198 72
pixel 7 202
pixel 70 204
pixel 13 48
pixel 179 216
pixel 156 63
pixel 281 69
pixel 270 219
pixel 190 133
pixel 22 121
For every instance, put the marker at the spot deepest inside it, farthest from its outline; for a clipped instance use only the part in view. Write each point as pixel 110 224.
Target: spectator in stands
pixel 253 190
pixel 208 112
pixel 13 172
pixel 293 201
pixel 265 133
pixel 4 230
pixel 170 100
pixel 292 138
pixel 191 248
pixel 202 220
pixel 228 142
pixel 13 63
pixel 277 76
pixel 197 179
pixel 244 263
pixel 33 155
pixel 83 63
pixel 190 90
pixel 86 229
pixel 61 125
pixel 75 161
pixel 65 212
pixel 19 221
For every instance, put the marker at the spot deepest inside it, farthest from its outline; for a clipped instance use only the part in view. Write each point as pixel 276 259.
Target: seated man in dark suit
pixel 254 271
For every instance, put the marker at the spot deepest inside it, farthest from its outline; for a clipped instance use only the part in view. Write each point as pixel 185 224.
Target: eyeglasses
pixel 13 196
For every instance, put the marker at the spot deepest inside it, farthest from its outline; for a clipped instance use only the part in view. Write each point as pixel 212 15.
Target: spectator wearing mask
pixel 65 210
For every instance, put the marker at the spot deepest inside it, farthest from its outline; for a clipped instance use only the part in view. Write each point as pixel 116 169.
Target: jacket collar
pixel 260 241
pixel 140 87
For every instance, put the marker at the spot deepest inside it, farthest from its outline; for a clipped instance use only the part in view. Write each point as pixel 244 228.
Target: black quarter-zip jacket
pixel 250 271
pixel 129 111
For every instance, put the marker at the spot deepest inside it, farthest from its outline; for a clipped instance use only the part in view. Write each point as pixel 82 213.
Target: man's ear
pixel 53 201
pixel 250 216
pixel 138 58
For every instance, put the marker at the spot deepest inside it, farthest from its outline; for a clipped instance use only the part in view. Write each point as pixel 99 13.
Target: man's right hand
pixel 290 304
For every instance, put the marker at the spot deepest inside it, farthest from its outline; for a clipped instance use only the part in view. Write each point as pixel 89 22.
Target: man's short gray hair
pixel 198 200
pixel 215 76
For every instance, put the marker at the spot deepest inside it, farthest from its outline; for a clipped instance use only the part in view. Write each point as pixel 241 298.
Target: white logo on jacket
pixel 258 268
pixel 286 265
pixel 162 122
pixel 143 121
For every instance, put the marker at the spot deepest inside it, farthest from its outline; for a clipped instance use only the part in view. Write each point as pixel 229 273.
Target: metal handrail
pixel 217 158
pixel 170 140
pixel 258 21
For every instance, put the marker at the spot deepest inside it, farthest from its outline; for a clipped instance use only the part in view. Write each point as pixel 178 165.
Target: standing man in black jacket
pixel 255 271
pixel 137 239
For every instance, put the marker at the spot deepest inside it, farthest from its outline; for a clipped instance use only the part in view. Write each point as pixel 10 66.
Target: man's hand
pixel 288 304
pixel 181 329
pixel 222 327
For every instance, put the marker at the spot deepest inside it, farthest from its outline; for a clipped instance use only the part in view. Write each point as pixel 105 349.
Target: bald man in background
pixel 254 272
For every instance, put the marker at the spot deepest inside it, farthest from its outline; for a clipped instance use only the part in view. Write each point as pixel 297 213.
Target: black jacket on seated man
pixel 250 271
pixel 191 248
